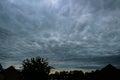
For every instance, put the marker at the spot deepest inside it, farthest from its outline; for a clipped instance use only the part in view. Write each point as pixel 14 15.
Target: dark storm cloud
pixel 76 31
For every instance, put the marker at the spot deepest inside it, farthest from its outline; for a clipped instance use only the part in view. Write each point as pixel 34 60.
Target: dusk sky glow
pixel 69 33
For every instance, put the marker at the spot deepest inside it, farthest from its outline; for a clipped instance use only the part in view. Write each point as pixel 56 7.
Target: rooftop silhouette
pixel 109 67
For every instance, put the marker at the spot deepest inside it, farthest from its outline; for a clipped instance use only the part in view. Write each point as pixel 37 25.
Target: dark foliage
pixel 1 68
pixel 65 75
pixel 38 69
pixel 107 73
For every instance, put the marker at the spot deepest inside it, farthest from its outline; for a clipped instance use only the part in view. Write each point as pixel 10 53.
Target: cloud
pixel 71 29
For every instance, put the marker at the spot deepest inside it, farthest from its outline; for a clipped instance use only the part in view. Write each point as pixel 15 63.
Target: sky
pixel 81 34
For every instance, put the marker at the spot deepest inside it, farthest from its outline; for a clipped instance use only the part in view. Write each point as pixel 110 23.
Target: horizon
pixel 53 71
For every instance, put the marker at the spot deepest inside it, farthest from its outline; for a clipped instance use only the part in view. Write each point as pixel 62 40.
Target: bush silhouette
pixel 36 69
pixel 1 68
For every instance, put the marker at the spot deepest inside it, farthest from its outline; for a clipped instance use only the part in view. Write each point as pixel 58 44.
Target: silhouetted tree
pixel 1 72
pixel 1 68
pixel 36 69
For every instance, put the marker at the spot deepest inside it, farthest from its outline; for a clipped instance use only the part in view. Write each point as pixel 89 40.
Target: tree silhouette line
pixel 38 69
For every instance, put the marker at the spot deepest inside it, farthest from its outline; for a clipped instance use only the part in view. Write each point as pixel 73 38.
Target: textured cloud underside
pixel 70 33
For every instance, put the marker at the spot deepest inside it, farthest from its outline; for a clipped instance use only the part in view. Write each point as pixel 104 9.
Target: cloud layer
pixel 70 33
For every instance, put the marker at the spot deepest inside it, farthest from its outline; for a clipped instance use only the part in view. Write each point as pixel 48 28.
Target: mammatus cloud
pixel 75 31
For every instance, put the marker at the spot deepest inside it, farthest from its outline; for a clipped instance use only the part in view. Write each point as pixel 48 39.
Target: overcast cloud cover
pixel 69 33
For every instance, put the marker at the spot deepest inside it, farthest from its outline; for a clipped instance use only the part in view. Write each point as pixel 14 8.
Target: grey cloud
pixel 71 29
